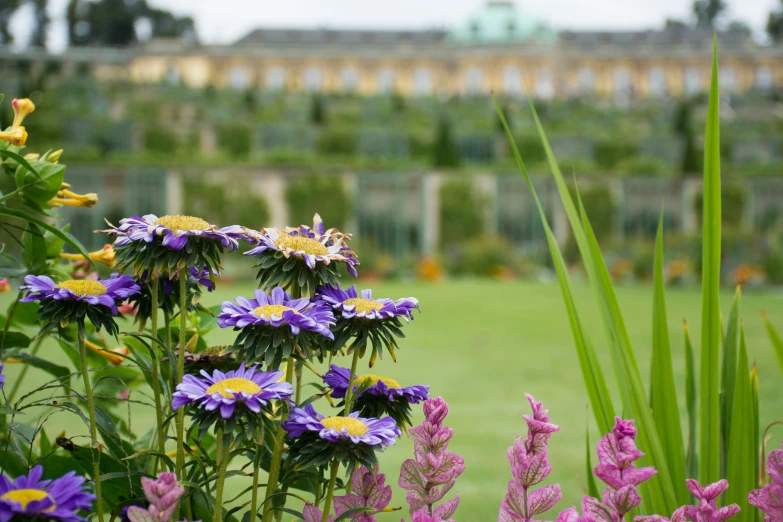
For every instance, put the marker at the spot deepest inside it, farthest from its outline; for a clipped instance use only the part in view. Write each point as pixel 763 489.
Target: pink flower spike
pixel 163 495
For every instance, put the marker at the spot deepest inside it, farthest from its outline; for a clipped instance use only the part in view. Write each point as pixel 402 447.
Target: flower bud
pixel 5 286
pixel 33 156
pixel 16 136
pixel 22 107
pixel 55 156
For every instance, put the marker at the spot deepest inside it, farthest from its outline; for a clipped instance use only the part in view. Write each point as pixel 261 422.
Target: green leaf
pixel 592 487
pixel 742 452
pixel 775 339
pixel 709 389
pixel 690 401
pixel 593 376
pixel 666 411
pixel 729 371
pixel 34 249
pixel 61 373
pixel 11 266
pixel 65 236
pixel 41 184
pixel 754 394
pixel 14 340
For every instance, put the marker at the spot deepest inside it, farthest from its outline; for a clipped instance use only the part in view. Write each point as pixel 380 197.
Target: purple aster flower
pixel 29 497
pixel 372 432
pixel 221 390
pixel 337 379
pixel 277 310
pixel 769 499
pixel 106 292
pixel 173 230
pixel 350 305
pixel 202 276
pixel 2 377
pixel 313 245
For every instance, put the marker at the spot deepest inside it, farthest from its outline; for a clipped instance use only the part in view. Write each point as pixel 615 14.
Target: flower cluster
pixel 376 395
pixel 370 494
pixel 302 256
pixel 162 495
pixel 433 470
pixel 530 465
pixel 769 499
pixel 16 133
pixel 30 496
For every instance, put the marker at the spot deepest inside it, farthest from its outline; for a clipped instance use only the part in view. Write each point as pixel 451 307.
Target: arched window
pixel 621 81
pixel 691 80
pixel 173 76
pixel 349 79
pixel 762 78
pixel 239 78
pixel 422 81
pixel 512 81
pixel 274 79
pixel 474 80
pixel 385 80
pixel 313 79
pixel 728 79
pixel 545 87
pixel 585 80
pixel 656 81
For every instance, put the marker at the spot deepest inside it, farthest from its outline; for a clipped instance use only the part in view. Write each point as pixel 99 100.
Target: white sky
pixel 226 20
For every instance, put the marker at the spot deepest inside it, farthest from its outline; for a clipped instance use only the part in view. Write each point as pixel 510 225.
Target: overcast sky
pixel 226 20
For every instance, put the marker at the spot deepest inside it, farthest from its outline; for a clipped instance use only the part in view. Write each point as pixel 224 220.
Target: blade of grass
pixel 595 383
pixel 740 469
pixel 709 389
pixel 663 396
pixel 690 401
pixel 754 388
pixel 592 488
pixel 729 372
pixel 775 338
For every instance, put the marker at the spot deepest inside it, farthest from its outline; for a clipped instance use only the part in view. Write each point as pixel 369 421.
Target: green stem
pixel 277 455
pixel 183 323
pixel 9 321
pixel 96 453
pixel 156 372
pixel 349 392
pixel 298 372
pixel 330 491
pixel 224 453
pixel 20 379
pixel 256 473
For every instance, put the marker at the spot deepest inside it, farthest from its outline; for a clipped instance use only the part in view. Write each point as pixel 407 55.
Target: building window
pixel 692 80
pixel 622 82
pixel 386 81
pixel 586 81
pixel 728 79
pixel 313 79
pixel 422 82
pixel 274 79
pixel 474 80
pixel 544 85
pixel 657 82
pixel 349 79
pixel 763 79
pixel 239 78
pixel 512 81
pixel 173 76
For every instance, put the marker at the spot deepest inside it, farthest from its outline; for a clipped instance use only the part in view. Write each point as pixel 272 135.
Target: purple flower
pixel 372 432
pixel 530 465
pixel 707 510
pixel 29 496
pixel 201 275
pixel 313 514
pixel 769 499
pixel 2 377
pixel 369 491
pixel 433 470
pixel 617 453
pixel 350 305
pixel 277 310
pixel 173 230
pixel 107 292
pixel 312 245
pixel 592 509
pixel 337 379
pixel 225 390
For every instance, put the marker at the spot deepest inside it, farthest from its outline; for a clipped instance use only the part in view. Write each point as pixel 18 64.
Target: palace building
pixel 500 48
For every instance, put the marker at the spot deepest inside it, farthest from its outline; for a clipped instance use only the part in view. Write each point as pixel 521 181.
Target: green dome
pixel 501 21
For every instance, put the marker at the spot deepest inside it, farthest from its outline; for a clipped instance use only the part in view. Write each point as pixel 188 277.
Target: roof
pixel 340 36
pixel 667 36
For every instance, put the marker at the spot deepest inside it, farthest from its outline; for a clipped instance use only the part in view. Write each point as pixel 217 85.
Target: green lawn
pixel 483 344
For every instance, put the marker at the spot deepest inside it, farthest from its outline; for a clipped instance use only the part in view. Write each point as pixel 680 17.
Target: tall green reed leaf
pixel 729 372
pixel 595 383
pixel 709 389
pixel 740 468
pixel 663 394
pixel 775 339
pixel 690 401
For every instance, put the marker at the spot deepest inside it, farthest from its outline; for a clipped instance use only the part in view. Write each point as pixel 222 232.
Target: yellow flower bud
pixel 70 199
pixel 16 136
pixel 113 356
pixel 105 255
pixel 54 157
pixel 22 107
pixel 5 286
pixel 33 156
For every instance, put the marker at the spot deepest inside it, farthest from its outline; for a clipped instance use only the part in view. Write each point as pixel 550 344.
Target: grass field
pixel 483 344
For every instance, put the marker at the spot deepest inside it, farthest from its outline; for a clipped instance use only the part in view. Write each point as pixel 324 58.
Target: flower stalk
pixel 224 451
pixel 183 323
pixel 256 473
pixel 156 371
pixel 96 453
pixel 351 379
pixel 330 491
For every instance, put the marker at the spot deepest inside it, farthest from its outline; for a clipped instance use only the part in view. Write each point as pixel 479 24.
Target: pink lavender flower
pixel 617 453
pixel 433 470
pixel 592 509
pixel 162 494
pixel 530 466
pixel 769 499
pixel 705 511
pixel 370 492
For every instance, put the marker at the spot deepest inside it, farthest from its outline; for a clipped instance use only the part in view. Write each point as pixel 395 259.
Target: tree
pixel 7 10
pixel 318 110
pixel 38 38
pixel 444 148
pixel 708 11
pixel 775 24
pixel 738 26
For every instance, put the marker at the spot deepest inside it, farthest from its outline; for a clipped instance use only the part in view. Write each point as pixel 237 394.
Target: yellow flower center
pixel 354 427
pixel 375 379
pixel 83 287
pixel 268 310
pixel 236 385
pixel 307 245
pixel 363 305
pixel 25 496
pixel 182 223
